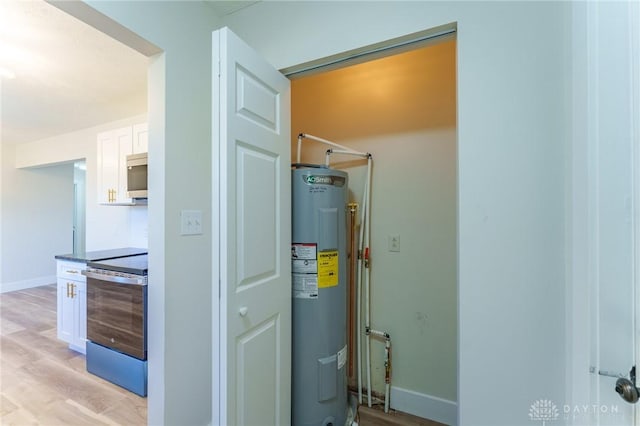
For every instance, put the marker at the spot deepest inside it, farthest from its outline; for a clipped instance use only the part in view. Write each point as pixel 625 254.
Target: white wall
pixel 106 226
pixel 512 125
pixel 37 221
pixel 37 206
pixel 401 109
pixel 180 288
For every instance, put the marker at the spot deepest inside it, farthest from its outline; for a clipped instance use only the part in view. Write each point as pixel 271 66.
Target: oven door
pixel 116 313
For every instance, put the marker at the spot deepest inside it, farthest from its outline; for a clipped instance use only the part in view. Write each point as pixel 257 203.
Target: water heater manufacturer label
pixel 328 269
pixel 303 251
pixel 303 258
pixel 304 270
pixel 338 181
pixel 305 286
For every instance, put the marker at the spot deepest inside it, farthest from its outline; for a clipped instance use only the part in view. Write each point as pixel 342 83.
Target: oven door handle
pixel 116 278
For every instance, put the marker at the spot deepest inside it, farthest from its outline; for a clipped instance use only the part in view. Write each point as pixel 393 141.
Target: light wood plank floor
pixel 376 416
pixel 42 382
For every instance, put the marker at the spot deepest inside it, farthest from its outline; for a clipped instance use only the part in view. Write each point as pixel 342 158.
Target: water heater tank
pixel 319 274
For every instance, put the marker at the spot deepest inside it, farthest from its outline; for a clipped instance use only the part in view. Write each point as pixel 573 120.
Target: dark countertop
pixel 132 265
pixel 93 256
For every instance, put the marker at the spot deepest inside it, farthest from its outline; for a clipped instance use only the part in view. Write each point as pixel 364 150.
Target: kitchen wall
pixel 37 220
pixel 44 209
pixel 513 123
pixel 402 109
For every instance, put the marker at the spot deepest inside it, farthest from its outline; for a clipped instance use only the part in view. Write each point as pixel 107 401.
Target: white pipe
pixel 351 152
pixel 299 151
pixel 387 387
pixel 368 347
pixel 366 237
pixel 382 335
pixel 365 206
pixel 359 295
pixel 359 332
pixel 324 141
pixel 342 149
pixel 386 397
pixel 367 277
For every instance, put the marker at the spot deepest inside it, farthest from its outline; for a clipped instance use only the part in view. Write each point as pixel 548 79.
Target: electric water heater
pixel 319 279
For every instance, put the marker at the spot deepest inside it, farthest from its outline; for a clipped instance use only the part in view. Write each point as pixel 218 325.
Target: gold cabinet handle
pixel 71 271
pixel 71 290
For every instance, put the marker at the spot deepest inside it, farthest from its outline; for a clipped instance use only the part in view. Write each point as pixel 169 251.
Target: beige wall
pixel 402 109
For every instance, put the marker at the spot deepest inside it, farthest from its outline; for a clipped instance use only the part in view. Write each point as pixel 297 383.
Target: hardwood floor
pixel 376 416
pixel 42 382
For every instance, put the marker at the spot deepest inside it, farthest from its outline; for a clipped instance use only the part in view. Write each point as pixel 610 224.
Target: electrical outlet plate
pixel 191 222
pixel 394 242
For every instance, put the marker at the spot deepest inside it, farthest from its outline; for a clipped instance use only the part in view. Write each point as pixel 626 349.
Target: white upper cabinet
pixel 113 148
pixel 140 138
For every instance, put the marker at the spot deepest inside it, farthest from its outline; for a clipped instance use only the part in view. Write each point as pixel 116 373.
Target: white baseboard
pixel 33 282
pixel 425 406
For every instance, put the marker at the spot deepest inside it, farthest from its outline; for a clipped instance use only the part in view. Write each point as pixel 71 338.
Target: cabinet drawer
pixel 72 270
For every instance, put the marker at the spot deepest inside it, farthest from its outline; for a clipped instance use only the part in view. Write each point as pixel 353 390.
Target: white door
pixel 251 127
pixel 615 146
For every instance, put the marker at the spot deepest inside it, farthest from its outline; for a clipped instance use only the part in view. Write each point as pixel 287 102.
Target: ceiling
pixel 68 76
pixel 223 8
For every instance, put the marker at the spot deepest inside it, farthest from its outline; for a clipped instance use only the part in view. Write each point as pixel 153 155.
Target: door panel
pixel 257 101
pixel 252 154
pixel 612 218
pixel 257 353
pixel 257 210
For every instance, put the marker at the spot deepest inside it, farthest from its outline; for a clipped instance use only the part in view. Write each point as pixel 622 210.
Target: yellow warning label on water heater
pixel 327 269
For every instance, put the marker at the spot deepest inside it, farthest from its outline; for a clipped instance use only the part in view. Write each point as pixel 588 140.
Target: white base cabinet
pixel 72 305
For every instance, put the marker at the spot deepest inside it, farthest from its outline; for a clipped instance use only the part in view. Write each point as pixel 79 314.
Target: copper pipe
pixel 353 208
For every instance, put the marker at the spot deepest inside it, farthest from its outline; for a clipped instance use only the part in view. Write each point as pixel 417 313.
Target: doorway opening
pixel 79 205
pixel 397 101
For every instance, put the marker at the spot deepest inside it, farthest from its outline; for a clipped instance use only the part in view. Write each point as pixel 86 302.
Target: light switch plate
pixel 394 242
pixel 191 222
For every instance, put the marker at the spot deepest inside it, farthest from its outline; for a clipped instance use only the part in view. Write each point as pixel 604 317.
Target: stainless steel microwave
pixel 137 175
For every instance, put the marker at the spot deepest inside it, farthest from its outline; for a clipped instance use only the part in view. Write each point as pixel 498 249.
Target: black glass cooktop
pixel 94 256
pixel 131 265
